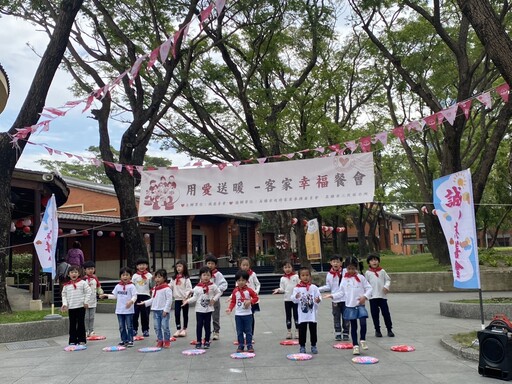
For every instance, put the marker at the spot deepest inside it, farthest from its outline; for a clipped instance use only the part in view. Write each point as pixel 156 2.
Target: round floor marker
pixel 299 356
pixel 403 348
pixel 365 360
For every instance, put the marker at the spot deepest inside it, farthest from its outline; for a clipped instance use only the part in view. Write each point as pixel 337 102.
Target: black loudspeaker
pixel 496 349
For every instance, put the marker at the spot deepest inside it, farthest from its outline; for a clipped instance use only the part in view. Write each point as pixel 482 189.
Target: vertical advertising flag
pixel 453 201
pixel 313 247
pixel 46 238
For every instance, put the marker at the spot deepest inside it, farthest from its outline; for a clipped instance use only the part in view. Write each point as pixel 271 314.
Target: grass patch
pixel 466 340
pixel 26 316
pixel 422 262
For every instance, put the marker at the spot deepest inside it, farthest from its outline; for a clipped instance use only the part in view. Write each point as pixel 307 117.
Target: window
pixel 396 239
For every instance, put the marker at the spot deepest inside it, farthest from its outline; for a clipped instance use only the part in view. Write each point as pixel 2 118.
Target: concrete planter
pixel 33 330
pixel 472 311
pixel 106 307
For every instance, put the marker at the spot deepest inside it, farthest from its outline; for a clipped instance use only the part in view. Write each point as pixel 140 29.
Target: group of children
pixel 349 290
pixel 143 293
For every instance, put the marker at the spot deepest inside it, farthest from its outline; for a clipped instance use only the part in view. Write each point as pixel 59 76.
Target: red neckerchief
pixel 178 278
pixel 93 277
pixel 73 282
pixel 159 287
pixel 354 276
pixel 143 274
pixel 250 271
pixel 289 275
pixel 124 284
pixel 375 270
pixel 213 272
pixel 205 286
pixel 304 285
pixel 335 273
pixel 241 290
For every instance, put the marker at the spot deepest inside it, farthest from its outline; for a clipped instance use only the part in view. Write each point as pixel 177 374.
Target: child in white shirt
pixel 289 281
pixel 143 282
pixel 206 294
pixel 181 290
pixel 160 302
pixel 253 283
pixel 356 290
pixel 307 296
pixel 95 285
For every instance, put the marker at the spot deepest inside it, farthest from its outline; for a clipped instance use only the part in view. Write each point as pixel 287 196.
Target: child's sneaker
pixel 206 345
pixel 289 335
pixel 177 333
pixel 337 337
pixel 345 337
pixel 121 343
pixel 391 334
pixel 314 349
pixel 302 350
pixel 167 344
pixel 134 332
pixel 378 334
pixel 183 333
pixel 129 344
pixel 198 345
pixel 355 350
pixel 296 334
pixel 145 333
pixel 363 345
pixel 250 348
pixel 240 349
pixel 159 344
pixel 215 336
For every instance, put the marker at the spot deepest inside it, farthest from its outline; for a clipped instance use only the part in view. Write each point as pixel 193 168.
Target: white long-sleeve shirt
pixel 203 298
pixel 351 289
pixel 378 280
pixel 219 280
pixel 308 307
pixel 182 290
pixel 76 294
pixel 95 285
pixel 286 285
pixel 332 283
pixel 123 296
pixel 238 298
pixel 161 299
pixel 143 286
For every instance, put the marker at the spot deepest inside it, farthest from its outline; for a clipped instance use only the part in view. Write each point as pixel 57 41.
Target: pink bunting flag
pixel 50 150
pixel 118 167
pixel 88 103
pixel 236 163
pixel 134 72
pixel 335 147
pixel 119 78
pixel 465 106
pixel 129 168
pixel 164 50
pixel 485 99
pixel 262 160
pixel 503 90
pixel 197 163
pixel 382 137
pixel 219 6
pixel 289 155
pixel 352 145
pixel 73 103
pixel 109 164
pixel 431 121
pixel 80 158
pixel 204 15
pixel 221 166
pixel 366 143
pixel 183 32
pixel 139 168
pixel 450 113
pixel 320 149
pixel 399 132
pixel 56 151
pixel 55 111
pixel 45 126
pixel 415 125
pixel 69 155
pixel 153 56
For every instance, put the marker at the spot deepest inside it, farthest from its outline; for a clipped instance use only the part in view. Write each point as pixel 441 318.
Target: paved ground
pixel 416 322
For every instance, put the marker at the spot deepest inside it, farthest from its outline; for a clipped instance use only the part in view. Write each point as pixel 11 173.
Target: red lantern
pixel 44 200
pixel 85 232
pixel 27 222
pixel 26 229
pixel 61 232
pixel 19 223
pixel 112 234
pixel 304 222
pixel 73 232
pixel 324 228
pixel 294 221
pixel 342 229
pixel 338 229
pixel 330 229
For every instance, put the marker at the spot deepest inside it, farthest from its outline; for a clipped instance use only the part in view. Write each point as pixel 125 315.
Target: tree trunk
pixel 29 115
pixel 436 240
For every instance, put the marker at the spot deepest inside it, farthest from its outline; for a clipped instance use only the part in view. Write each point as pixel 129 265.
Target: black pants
pixel 144 312
pixel 177 314
pixel 303 332
pixel 382 304
pixel 203 320
pixel 291 308
pixel 77 325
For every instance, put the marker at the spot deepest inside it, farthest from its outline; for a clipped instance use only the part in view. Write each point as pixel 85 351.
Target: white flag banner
pixel 46 238
pixel 319 182
pixel 453 200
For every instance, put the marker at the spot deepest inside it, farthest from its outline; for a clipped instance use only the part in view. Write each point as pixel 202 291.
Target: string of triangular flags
pixel 162 52
pixel 364 143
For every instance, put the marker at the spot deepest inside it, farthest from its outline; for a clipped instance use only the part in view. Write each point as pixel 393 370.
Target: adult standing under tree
pixel 75 255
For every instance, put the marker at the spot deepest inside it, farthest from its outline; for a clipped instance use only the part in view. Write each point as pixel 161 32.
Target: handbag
pixel 353 313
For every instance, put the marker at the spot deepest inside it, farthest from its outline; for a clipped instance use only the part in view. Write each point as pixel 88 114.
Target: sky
pixel 22 44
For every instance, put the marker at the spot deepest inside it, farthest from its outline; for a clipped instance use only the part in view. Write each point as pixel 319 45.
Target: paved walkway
pixel 416 321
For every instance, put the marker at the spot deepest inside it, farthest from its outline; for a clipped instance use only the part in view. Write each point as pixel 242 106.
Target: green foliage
pixel 422 262
pixel 25 316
